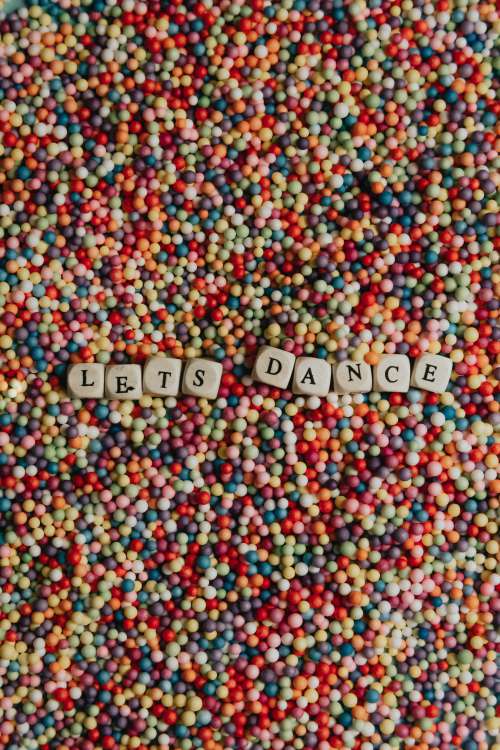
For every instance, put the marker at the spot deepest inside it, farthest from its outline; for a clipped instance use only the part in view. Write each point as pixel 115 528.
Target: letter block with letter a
pixel 273 366
pixel 311 377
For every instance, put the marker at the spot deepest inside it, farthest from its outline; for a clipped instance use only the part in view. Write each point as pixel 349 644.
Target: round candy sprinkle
pixel 264 570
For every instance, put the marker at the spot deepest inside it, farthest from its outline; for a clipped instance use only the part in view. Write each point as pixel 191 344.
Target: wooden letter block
pixel 392 373
pixel 162 376
pixel 86 380
pixel 273 366
pixel 352 377
pixel 202 378
pixel 311 377
pixel 123 382
pixel 432 373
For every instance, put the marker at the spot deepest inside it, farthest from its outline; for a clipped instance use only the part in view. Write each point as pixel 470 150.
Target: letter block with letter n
pixel 352 377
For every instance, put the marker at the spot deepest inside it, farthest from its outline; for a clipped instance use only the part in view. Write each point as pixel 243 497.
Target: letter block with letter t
pixel 162 376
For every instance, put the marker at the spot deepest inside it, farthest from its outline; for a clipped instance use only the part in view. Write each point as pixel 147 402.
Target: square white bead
pixel 124 382
pixel 202 378
pixel 86 380
pixel 432 372
pixel 311 377
pixel 352 377
pixel 273 366
pixel 392 373
pixel 162 376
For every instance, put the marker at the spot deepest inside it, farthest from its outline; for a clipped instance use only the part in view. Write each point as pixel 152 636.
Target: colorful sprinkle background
pixel 261 571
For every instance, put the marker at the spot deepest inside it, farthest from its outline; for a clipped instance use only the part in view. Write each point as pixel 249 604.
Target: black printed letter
pixel 351 369
pixel 429 370
pixel 84 379
pixel 308 377
pixel 165 373
pixel 392 367
pixel 269 370
pixel 199 377
pixel 121 384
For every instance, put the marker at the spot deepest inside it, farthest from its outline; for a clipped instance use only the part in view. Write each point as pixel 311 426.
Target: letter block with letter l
pixel 86 380
pixel 273 366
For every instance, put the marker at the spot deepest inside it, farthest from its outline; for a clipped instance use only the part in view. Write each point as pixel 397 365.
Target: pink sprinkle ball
pixel 264 570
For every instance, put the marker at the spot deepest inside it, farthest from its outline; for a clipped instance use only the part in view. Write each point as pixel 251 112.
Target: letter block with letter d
pixel 273 366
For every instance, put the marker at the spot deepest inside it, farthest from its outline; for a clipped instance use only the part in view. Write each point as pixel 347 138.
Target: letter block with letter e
pixel 124 382
pixel 432 373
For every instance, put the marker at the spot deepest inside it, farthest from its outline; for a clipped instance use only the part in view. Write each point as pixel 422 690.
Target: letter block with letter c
pixel 392 373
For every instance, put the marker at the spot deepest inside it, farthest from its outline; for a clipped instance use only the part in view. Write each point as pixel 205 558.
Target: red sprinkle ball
pixel 263 571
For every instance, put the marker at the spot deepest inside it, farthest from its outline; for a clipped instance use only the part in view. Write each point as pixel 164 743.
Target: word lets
pixel 163 376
